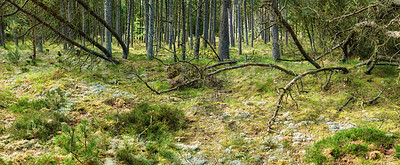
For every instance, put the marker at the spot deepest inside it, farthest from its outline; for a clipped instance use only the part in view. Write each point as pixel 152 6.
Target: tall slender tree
pixel 198 24
pixel 245 22
pixel 252 23
pixel 223 46
pixel 128 26
pixel 275 35
pixel 64 28
pixel 206 21
pixel 107 18
pixel 239 21
pixel 150 51
pixel 231 37
pixel 183 31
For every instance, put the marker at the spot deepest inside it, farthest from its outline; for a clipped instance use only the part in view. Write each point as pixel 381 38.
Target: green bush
pixel 40 125
pixel 354 141
pixel 152 122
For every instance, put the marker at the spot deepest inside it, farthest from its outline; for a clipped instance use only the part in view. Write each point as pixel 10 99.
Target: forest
pixel 199 82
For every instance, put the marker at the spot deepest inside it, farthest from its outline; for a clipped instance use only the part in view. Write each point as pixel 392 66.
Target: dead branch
pixel 345 104
pixel 253 64
pixel 354 13
pixel 27 31
pixel 294 36
pixel 15 12
pixel 289 85
pixel 62 35
pixel 368 102
pixel 109 28
pixel 221 63
pixel 326 86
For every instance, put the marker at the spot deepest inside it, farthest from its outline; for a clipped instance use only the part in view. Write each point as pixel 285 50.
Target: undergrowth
pixel 356 141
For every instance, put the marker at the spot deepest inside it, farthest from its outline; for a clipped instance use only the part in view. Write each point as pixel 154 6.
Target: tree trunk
pixel 223 46
pixel 191 24
pixel 232 39
pixel 146 22
pixel 239 20
pixel 83 26
pixel 206 21
pixel 150 53
pixel 171 24
pixel 275 36
pixel 252 23
pixel 107 18
pixel 245 23
pixel 214 22
pixel 183 31
pixel 64 28
pixel 70 31
pixel 118 18
pixel 198 24
pixel 128 26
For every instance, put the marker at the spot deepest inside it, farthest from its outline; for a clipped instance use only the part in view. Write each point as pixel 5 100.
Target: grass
pixel 356 141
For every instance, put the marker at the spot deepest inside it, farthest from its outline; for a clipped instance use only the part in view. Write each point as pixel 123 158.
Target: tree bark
pixel 70 31
pixel 275 35
pixel 107 18
pixel 223 46
pixel 206 21
pixel 231 37
pixel 150 51
pixel 245 23
pixel 252 23
pixel 64 28
pixel 239 20
pixel 128 26
pixel 183 31
pixel 198 24
pixel 83 25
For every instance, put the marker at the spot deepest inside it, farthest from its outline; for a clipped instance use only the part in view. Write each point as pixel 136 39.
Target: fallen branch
pixel 373 100
pixel 345 104
pixel 289 85
pixel 253 64
pixel 294 36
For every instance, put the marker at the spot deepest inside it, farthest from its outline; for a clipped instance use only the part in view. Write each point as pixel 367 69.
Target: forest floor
pixel 225 119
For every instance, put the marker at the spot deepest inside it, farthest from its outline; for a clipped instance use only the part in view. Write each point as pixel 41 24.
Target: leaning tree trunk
pixel 198 24
pixel 223 46
pixel 206 21
pixel 107 18
pixel 150 52
pixel 275 36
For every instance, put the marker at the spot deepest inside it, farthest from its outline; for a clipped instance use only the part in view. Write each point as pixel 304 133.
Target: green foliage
pixel 6 98
pixel 13 56
pixel 79 141
pixel 54 100
pixel 153 122
pixel 354 141
pixel 397 154
pixel 40 125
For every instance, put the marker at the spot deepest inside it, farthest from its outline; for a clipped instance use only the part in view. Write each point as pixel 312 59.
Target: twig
pixel 326 86
pixel 345 104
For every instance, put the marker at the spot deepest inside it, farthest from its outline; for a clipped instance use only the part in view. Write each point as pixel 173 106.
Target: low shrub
pixel 40 125
pixel 356 142
pixel 152 122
